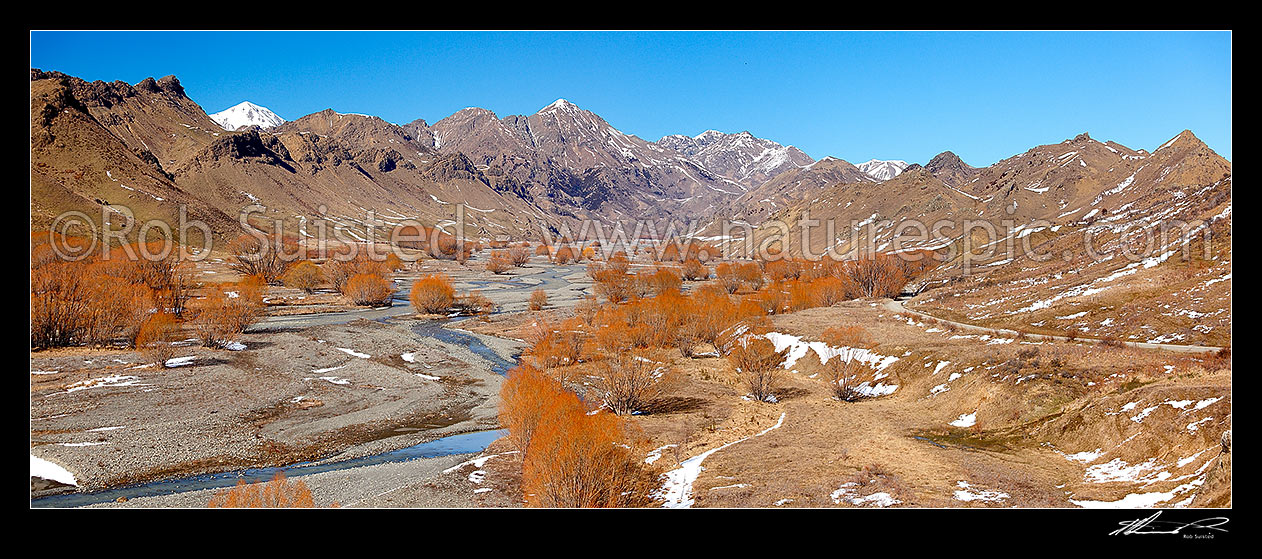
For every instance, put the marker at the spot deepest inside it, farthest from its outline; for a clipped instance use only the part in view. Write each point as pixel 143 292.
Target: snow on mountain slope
pixel 742 157
pixel 883 170
pixel 246 114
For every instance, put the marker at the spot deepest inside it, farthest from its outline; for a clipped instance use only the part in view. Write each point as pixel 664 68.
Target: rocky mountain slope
pixel 575 164
pixel 1132 245
pixel 1066 237
pixel 109 147
pixel 740 157
pixel 950 169
pixel 796 185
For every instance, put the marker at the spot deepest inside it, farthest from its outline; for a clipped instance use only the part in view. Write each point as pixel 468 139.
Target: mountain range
pixel 99 144
pixel 109 148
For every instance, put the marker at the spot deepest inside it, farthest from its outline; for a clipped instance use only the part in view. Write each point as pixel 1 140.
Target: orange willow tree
pixel 368 289
pixel 279 492
pixel 570 458
pixel 432 294
pixel 227 310
pixel 101 299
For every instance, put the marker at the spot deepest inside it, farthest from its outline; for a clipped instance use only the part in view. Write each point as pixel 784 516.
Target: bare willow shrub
pixel 586 309
pixel 60 300
pixel 117 309
pixel 156 337
pixel 268 257
pixel 340 270
pixel 499 262
pixel 105 299
pixel 726 273
pixel 571 458
pixel 773 299
pixel 614 285
pixel 694 270
pixel 758 363
pixel 525 398
pixel 304 275
pixel 393 263
pixel 629 382
pixel 227 310
pixel 473 304
pixel 875 276
pixel 555 345
pixel 538 300
pixel 844 376
pixel 519 256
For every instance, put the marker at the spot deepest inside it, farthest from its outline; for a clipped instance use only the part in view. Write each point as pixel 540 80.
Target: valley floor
pixel 972 420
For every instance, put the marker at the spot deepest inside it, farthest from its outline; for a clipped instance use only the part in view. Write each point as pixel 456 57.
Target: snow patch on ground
pixel 112 380
pixel 676 488
pixel 180 361
pixel 965 420
pixel 353 352
pixel 847 493
pixel 44 469
pixel 967 493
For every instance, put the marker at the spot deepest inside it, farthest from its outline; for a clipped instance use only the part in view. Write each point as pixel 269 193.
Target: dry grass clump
pixel 1219 360
pixel 877 478
pixel 847 336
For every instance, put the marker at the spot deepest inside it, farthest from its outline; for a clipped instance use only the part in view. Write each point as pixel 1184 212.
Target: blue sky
pixel 854 95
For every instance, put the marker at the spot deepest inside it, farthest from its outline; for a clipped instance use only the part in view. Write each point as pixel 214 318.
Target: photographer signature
pixel 1151 525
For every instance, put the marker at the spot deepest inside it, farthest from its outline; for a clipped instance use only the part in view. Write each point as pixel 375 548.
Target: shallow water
pixel 464 443
pixel 435 330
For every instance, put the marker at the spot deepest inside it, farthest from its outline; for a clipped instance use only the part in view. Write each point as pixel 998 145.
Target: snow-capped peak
pixel 558 104
pixel 883 170
pixel 708 136
pixel 246 114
